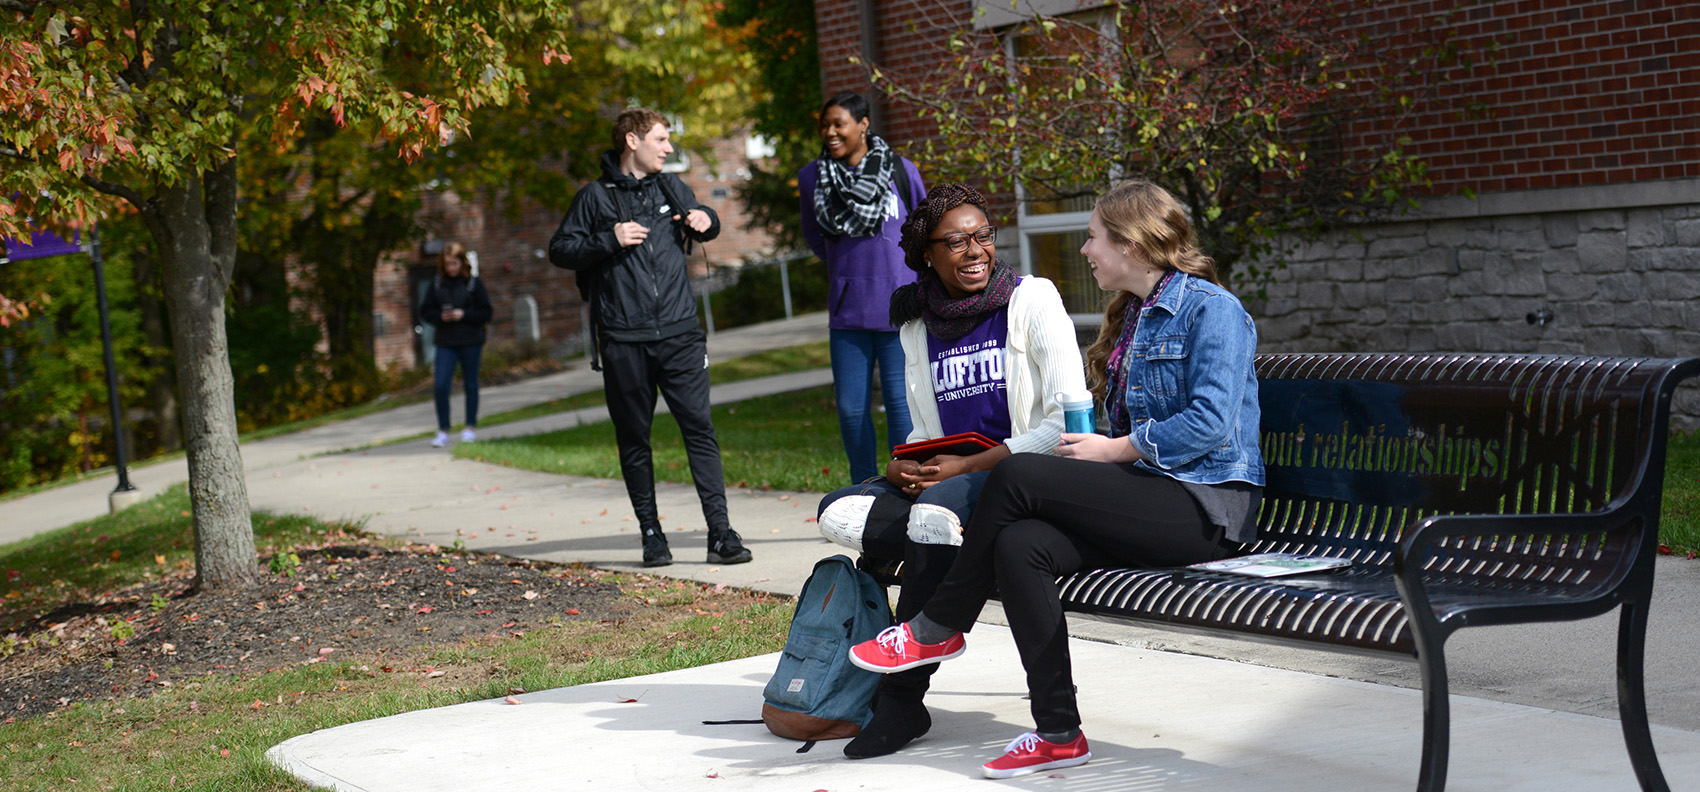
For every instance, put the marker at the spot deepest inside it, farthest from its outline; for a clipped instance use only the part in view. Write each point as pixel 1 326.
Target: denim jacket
pixel 1191 386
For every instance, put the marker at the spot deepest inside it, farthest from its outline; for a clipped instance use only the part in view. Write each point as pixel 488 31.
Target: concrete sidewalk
pixel 1155 720
pixel 1534 706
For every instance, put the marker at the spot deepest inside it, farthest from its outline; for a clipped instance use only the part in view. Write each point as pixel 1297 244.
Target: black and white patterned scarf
pixel 853 201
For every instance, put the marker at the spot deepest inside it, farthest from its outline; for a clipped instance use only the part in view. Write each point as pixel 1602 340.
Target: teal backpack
pixel 817 694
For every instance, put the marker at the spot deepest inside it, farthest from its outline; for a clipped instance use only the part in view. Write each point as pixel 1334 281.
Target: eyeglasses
pixel 959 242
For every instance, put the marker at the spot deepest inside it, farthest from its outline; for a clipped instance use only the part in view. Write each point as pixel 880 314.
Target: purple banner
pixel 40 245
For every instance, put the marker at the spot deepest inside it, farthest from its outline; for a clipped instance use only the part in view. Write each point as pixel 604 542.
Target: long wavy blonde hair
pixel 1145 217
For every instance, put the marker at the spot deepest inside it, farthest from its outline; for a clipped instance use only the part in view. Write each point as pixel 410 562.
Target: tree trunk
pixel 194 224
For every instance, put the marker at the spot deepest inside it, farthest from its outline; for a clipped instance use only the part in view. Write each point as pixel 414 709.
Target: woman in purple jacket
pixel 855 198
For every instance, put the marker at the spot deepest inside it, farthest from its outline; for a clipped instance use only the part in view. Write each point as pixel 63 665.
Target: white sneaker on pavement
pixel 441 440
pixel 466 435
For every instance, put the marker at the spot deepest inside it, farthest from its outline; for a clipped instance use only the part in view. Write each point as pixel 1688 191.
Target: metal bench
pixel 1468 490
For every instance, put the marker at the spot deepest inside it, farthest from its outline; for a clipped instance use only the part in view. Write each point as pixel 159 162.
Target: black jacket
pixel 467 294
pixel 642 292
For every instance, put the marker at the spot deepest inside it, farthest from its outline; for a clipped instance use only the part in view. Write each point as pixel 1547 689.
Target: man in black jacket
pixel 626 237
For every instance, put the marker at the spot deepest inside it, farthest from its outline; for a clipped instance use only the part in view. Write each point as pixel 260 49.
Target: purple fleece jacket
pixel 862 271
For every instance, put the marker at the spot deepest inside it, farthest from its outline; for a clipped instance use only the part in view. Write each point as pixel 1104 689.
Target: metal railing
pixel 726 277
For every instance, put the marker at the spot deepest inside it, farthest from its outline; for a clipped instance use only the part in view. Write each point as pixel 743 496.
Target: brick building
pixel 1577 130
pixel 535 300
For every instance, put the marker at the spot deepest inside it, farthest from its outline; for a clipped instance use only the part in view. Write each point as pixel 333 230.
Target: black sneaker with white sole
pixel 727 548
pixel 655 552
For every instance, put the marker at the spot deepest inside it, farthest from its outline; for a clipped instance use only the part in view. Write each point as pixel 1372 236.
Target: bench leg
pixel 1437 718
pixel 1632 695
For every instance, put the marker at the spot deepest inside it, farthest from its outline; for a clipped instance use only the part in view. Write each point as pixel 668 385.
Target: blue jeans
pixel 854 354
pixel 447 357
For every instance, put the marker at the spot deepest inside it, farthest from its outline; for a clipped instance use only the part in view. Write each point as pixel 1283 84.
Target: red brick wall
pixel 1576 93
pixel 909 32
pixel 508 265
pixel 716 186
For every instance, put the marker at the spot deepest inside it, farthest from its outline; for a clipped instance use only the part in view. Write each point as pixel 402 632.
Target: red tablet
pixel 965 444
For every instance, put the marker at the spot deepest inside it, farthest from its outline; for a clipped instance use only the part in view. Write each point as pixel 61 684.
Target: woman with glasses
pixel 855 196
pixel 985 350
pixel 1177 481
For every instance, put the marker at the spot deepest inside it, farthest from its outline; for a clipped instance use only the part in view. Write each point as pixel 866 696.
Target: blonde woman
pixel 1178 479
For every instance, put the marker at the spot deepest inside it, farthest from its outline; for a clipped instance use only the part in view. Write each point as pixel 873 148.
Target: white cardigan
pixel 1042 358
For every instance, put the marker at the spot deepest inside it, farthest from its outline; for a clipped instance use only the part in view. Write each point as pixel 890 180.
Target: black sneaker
pixel 727 548
pixel 655 552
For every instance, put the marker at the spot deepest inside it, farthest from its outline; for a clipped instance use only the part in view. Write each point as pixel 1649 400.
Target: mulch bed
pixel 340 601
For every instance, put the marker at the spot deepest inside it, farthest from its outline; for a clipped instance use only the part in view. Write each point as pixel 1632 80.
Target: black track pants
pixel 632 373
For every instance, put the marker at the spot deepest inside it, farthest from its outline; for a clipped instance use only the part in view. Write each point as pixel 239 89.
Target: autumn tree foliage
pixel 332 199
pixel 145 102
pixel 1268 119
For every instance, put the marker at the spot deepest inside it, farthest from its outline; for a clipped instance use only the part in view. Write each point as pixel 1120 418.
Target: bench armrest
pixel 1420 541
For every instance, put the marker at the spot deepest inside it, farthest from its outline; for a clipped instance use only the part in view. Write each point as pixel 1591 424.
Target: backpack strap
pixel 670 185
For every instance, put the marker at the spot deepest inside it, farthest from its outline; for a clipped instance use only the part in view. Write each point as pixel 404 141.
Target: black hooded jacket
pixel 641 292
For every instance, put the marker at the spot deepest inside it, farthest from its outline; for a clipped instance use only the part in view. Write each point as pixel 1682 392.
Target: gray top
pixel 1232 505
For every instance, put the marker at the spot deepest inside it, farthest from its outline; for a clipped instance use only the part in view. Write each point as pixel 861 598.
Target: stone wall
pixel 1596 271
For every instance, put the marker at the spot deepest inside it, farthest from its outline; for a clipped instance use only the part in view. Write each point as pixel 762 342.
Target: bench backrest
pixel 1358 447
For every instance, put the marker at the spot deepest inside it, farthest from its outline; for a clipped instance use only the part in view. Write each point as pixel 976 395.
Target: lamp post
pixel 43 245
pixel 125 494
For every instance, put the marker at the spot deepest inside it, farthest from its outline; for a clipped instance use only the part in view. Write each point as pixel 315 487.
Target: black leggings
pixel 1041 517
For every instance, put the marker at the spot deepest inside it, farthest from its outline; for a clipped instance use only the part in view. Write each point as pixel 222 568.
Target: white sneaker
pixel 441 440
pixel 466 435
pixel 845 519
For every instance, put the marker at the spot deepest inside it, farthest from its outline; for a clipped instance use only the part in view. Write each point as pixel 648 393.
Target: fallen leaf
pixel 572 611
pixel 530 595
pixel 711 774
pixel 513 700
pixel 435 674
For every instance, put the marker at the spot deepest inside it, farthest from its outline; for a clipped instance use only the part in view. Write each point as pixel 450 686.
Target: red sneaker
pixel 1030 753
pixel 895 649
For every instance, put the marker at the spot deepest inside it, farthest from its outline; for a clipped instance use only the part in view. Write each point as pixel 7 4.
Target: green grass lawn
pixel 1679 520
pixel 211 732
pixel 762 364
pixel 788 441
pixel 117 550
